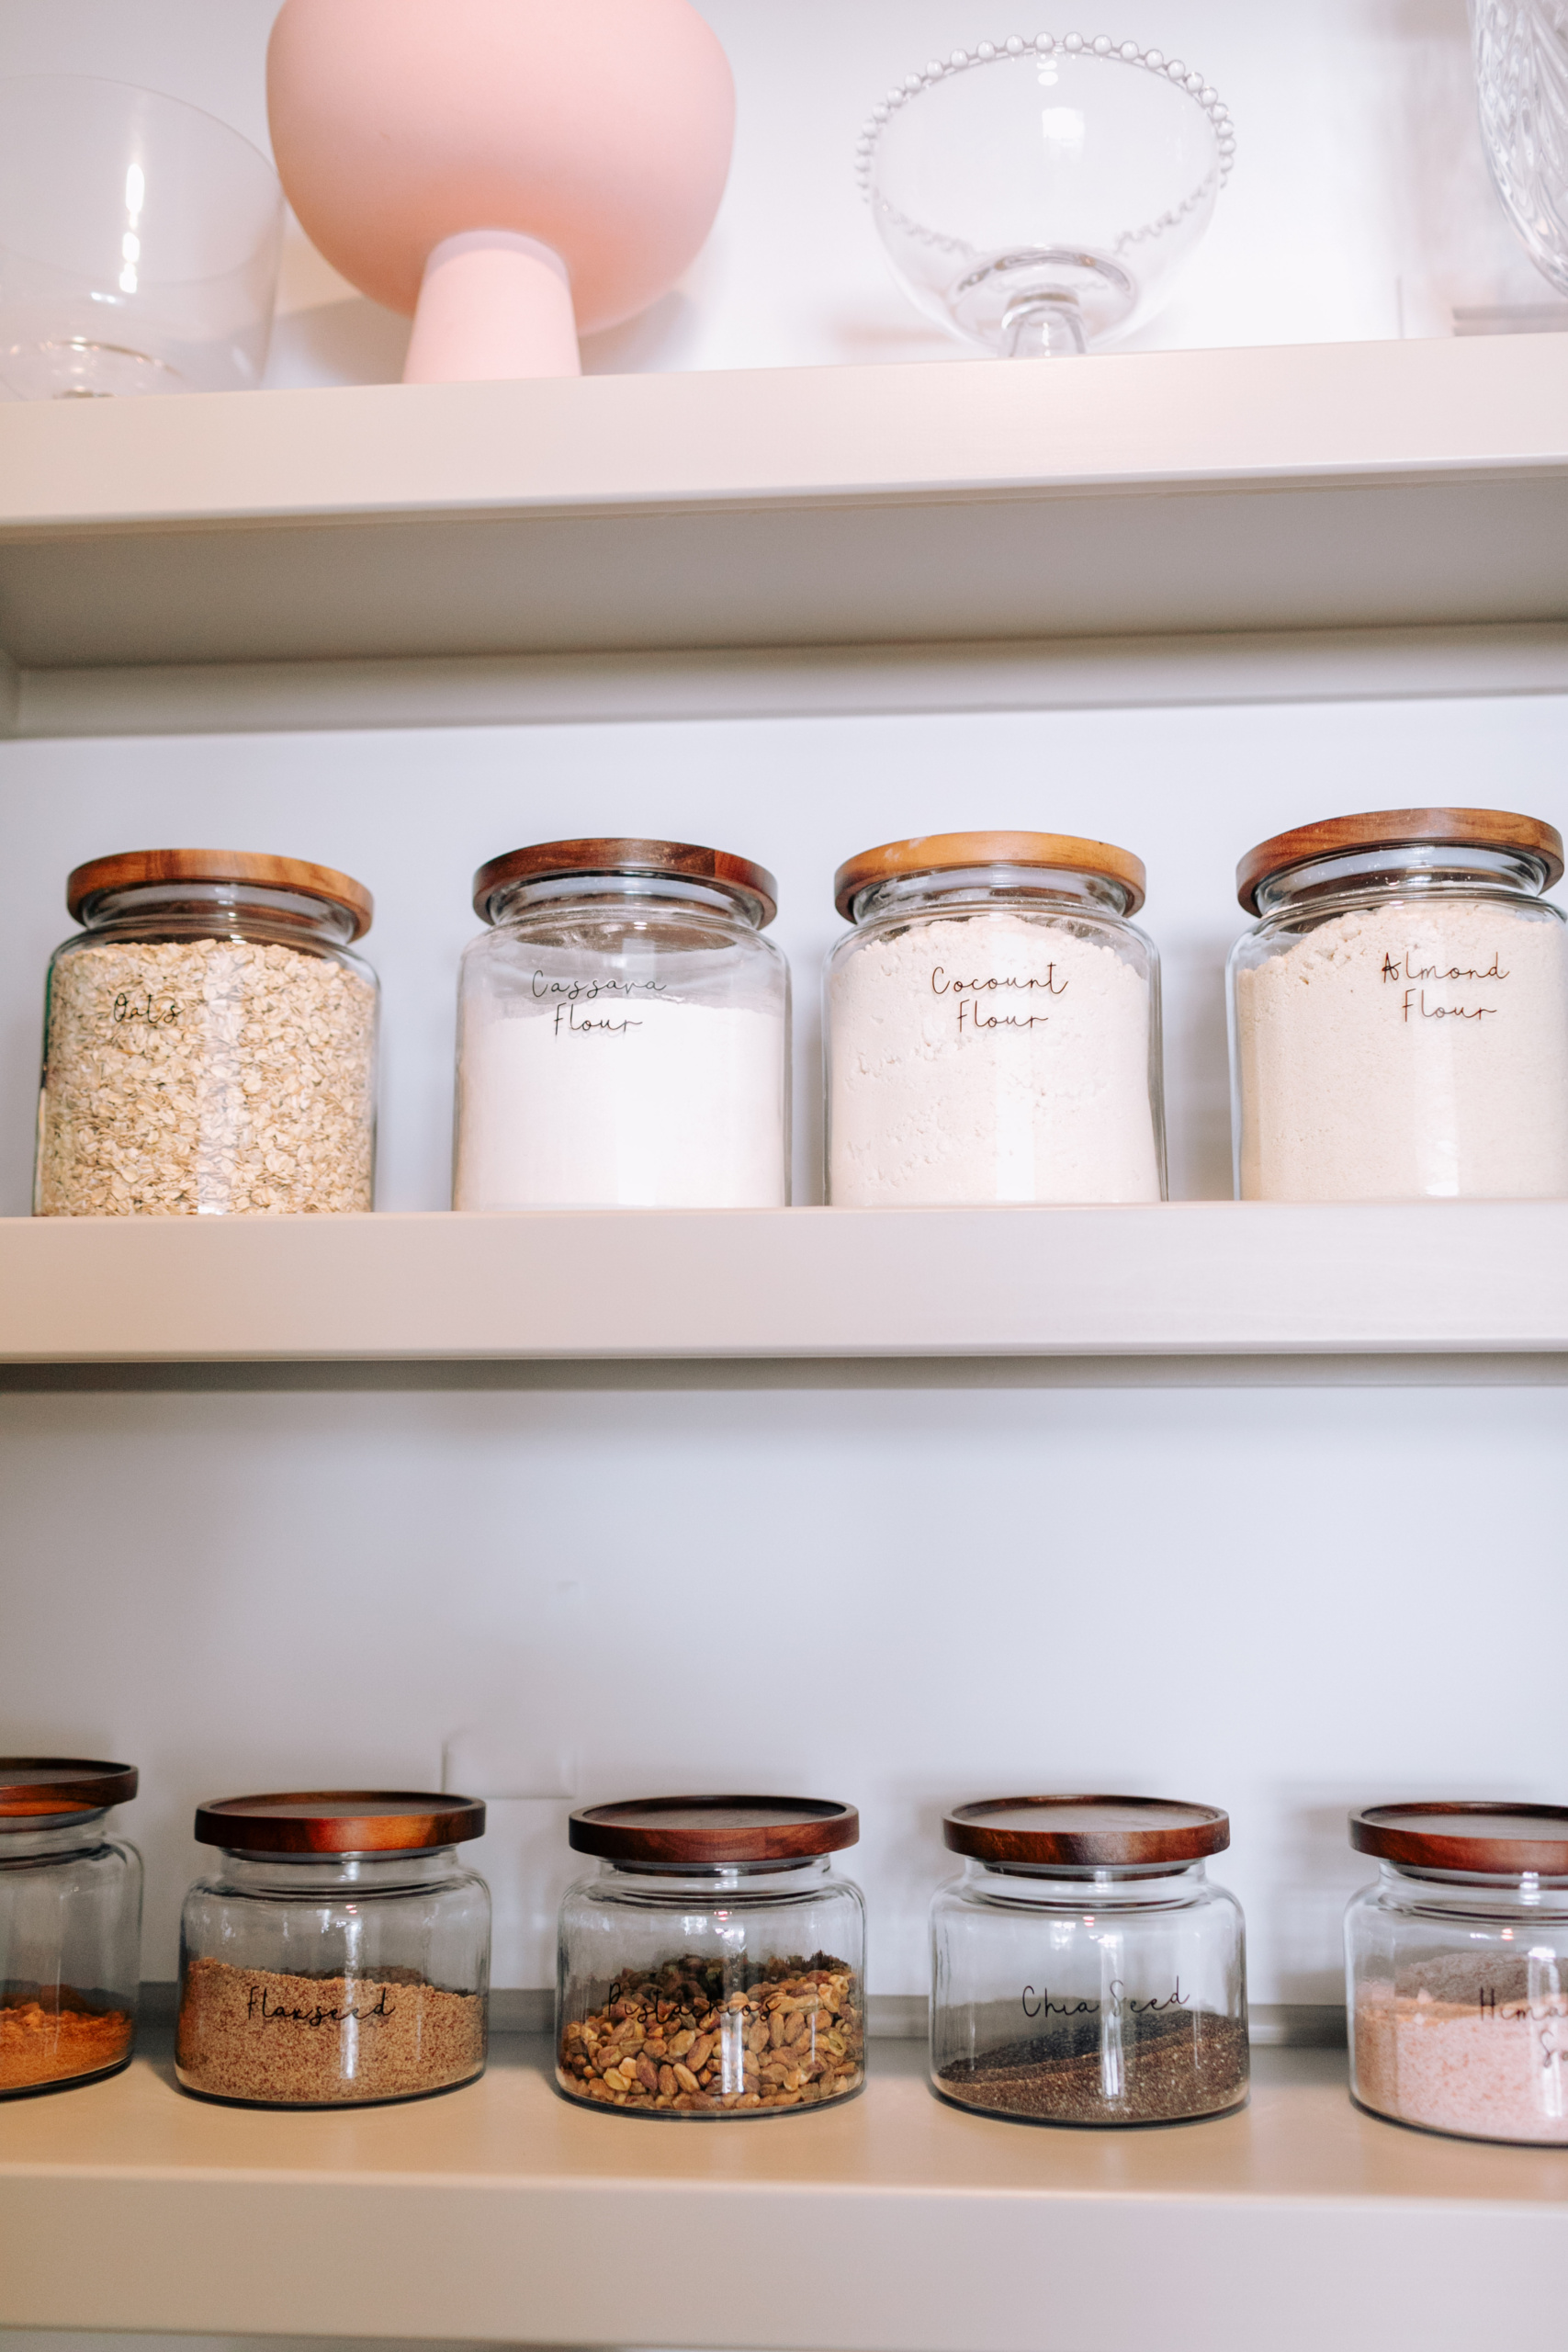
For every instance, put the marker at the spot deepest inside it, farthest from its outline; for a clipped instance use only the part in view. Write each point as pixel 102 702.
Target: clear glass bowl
pixel 1521 70
pixel 1036 197
pixel 138 244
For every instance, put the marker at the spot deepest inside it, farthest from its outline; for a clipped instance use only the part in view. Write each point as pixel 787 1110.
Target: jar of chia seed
pixel 70 1923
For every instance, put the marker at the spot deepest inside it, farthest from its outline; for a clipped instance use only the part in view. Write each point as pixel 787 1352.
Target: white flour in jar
pixel 649 1104
pixel 1407 1052
pixel 989 1057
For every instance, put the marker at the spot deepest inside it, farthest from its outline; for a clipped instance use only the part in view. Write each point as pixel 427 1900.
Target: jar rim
pixel 718 1831
pixel 1473 1838
pixel 936 853
pixel 1095 1832
pixel 614 856
pixel 37 1789
pixel 135 869
pixel 311 1824
pixel 1400 828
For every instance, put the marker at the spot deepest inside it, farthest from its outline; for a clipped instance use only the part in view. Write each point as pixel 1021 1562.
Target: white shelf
pixel 893 2225
pixel 1195 1278
pixel 1331 486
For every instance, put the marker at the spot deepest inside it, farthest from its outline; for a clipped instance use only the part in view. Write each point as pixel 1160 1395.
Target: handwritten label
pixel 149 1008
pixel 974 1018
pixel 1118 2005
pixel 568 1024
pixel 1548 2020
pixel 262 2011
pixel 1422 989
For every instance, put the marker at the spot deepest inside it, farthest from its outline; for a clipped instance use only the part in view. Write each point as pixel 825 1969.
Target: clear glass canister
pixel 209 1042
pixel 70 1923
pixel 993 1026
pixel 1456 1969
pixel 622 1031
pixel 339 1955
pixel 716 1965
pixel 1083 1969
pixel 1399 1016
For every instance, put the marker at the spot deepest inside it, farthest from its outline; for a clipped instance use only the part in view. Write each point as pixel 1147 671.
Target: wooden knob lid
pixel 1400 828
pixel 714 1830
pixel 683 861
pixel 1503 1840
pixel 1087 1833
pixel 952 852
pixel 133 867
pixel 340 1821
pixel 35 1785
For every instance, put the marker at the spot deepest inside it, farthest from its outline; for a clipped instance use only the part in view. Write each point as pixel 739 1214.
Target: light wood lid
pixel 714 1830
pixel 1396 828
pixel 31 1786
pixel 1087 1833
pixel 130 868
pixel 1503 1839
pixel 951 853
pixel 339 1821
pixel 684 861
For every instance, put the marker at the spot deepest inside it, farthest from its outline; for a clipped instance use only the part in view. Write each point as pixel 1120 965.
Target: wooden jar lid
pixel 1505 1840
pixel 133 867
pixel 952 852
pixel 714 1830
pixel 340 1821
pixel 1397 828
pixel 1087 1833
pixel 35 1785
pixel 684 861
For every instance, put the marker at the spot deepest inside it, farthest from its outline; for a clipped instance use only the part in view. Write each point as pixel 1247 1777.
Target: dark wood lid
pixel 1087 1833
pixel 952 852
pixel 1498 1840
pixel 683 860
pixel 339 1821
pixel 1397 828
pixel 715 1830
pixel 33 1785
pixel 134 867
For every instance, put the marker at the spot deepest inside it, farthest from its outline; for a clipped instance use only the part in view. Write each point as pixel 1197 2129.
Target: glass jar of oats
pixel 209 1042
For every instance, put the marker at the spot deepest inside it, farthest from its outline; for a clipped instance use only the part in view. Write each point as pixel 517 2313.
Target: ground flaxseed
pixel 250 2033
pixel 693 2039
pixel 1169 2067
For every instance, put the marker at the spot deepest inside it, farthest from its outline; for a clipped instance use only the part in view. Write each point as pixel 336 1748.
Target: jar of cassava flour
pixel 993 1026
pixel 209 1042
pixel 1399 1016
pixel 338 1955
pixel 622 1031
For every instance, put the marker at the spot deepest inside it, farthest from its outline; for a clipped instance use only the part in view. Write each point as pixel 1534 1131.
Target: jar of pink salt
pixel 1456 1969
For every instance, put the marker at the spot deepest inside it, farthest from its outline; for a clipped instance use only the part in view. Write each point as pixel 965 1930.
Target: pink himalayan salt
pixel 1497 2074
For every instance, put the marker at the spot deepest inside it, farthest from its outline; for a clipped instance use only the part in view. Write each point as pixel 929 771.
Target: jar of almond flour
pixel 210 1041
pixel 70 1923
pixel 1456 1969
pixel 338 1955
pixel 1399 1016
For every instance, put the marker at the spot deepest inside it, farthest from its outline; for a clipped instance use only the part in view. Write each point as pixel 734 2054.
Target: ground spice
pixel 692 2037
pixel 56 2040
pixel 1466 2047
pixel 1171 2067
pixel 249 2033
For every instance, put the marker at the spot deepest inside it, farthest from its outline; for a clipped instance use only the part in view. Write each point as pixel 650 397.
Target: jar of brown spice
pixel 70 1922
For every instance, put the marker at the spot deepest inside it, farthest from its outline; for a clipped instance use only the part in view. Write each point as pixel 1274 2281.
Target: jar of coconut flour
pixel 993 1026
pixel 622 1031
pixel 1399 1016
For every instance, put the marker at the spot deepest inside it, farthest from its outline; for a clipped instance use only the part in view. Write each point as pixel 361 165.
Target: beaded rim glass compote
pixel 1036 196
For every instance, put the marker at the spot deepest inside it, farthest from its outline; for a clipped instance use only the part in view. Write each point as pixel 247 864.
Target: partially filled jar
pixel 339 1953
pixel 622 1031
pixel 70 1922
pixel 1456 1969
pixel 1083 1969
pixel 716 1965
pixel 210 1041
pixel 993 1026
pixel 1399 1014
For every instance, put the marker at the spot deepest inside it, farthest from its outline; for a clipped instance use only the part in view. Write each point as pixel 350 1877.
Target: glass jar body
pixel 622 1045
pixel 70 1954
pixel 208 1052
pixel 329 1981
pixel 711 1993
pixel 993 1036
pixel 1089 1997
pixel 1458 1994
pixel 1403 1036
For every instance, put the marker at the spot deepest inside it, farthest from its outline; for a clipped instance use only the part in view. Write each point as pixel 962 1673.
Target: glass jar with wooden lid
pixel 1456 1969
pixel 622 1031
pixel 70 1922
pixel 339 1953
pixel 993 1026
pixel 1399 1013
pixel 715 1966
pixel 210 1041
pixel 1084 1969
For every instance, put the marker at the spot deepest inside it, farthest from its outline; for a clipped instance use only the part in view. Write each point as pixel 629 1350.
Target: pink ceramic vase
pixel 513 172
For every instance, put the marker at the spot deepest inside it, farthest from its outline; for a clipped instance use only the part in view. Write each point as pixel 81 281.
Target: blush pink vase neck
pixel 511 172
